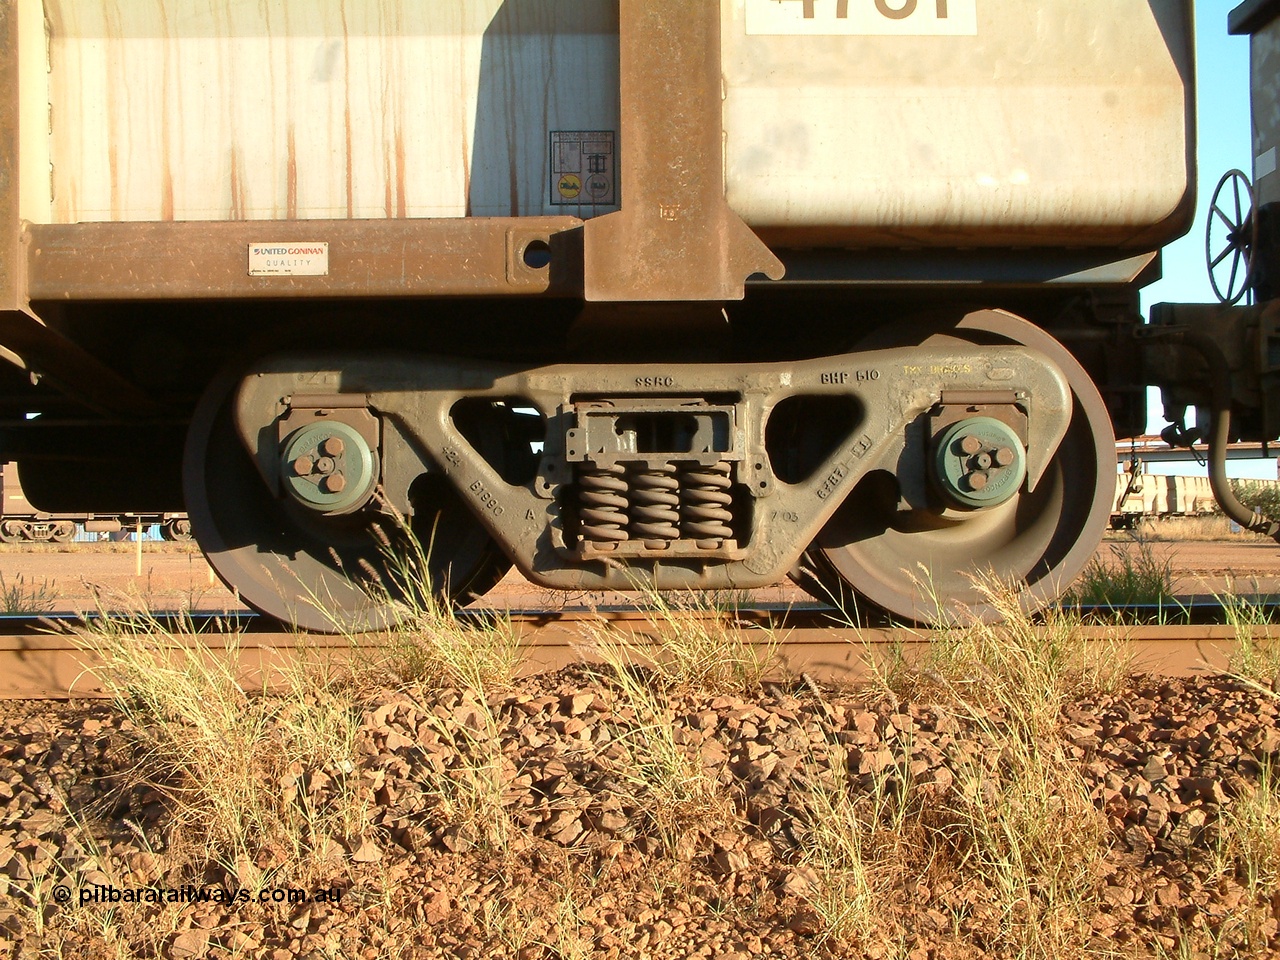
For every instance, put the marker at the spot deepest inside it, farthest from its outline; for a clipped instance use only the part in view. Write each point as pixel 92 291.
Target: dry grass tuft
pixel 432 647
pixel 697 647
pixel 665 780
pixel 1034 665
pixel 1129 578
pixel 1212 526
pixel 1249 849
pixel 23 597
pixel 261 781
pixel 430 644
pixel 1257 655
pixel 858 845
pixel 1250 837
pixel 556 923
pixel 1019 820
pixel 696 644
pixel 1031 831
pixel 1031 834
pixel 470 795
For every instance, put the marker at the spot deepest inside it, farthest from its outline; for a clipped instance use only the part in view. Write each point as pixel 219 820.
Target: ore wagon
pixel 669 293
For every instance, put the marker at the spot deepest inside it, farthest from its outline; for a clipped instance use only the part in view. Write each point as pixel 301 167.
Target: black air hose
pixel 1219 427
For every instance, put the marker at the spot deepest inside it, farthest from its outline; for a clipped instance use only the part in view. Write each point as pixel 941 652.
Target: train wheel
pixel 921 566
pixel 327 574
pixel 11 531
pixel 63 531
pixel 178 529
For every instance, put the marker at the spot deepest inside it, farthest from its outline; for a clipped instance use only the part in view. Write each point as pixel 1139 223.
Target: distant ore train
pixel 20 521
pixel 1154 495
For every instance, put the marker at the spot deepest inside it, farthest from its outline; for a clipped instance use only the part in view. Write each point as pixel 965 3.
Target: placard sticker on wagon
pixel 583 168
pixel 863 17
pixel 304 259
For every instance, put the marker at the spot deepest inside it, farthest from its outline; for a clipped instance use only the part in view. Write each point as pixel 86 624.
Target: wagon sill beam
pixel 162 260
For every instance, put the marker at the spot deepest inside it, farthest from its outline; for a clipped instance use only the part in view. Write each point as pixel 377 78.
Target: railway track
pixel 50 657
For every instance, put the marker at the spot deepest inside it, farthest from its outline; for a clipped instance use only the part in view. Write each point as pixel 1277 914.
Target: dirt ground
pixel 176 576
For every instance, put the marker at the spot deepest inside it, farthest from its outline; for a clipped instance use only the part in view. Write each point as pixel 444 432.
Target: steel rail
pixel 52 658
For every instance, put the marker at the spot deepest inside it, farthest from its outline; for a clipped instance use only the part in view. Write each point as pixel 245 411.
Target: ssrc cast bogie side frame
pixel 891 389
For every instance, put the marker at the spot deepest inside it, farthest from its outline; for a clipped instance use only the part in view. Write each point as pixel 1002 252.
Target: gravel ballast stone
pixel 584 871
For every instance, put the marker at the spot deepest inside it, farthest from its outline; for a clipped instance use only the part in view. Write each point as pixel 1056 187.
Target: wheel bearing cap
pixel 328 467
pixel 979 462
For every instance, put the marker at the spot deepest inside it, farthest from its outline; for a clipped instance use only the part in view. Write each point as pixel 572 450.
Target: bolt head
pixel 325 465
pixel 303 466
pixel 1004 456
pixel 970 444
pixel 333 447
pixel 983 461
pixel 977 481
pixel 335 483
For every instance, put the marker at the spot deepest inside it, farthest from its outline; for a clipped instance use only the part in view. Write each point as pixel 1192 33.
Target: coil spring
pixel 655 503
pixel 602 504
pixel 704 504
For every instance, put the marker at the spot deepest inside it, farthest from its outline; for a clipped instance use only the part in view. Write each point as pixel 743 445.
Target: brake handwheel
pixel 1231 237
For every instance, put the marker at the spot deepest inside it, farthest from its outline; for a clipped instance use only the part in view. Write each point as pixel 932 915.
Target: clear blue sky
pixel 1224 142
